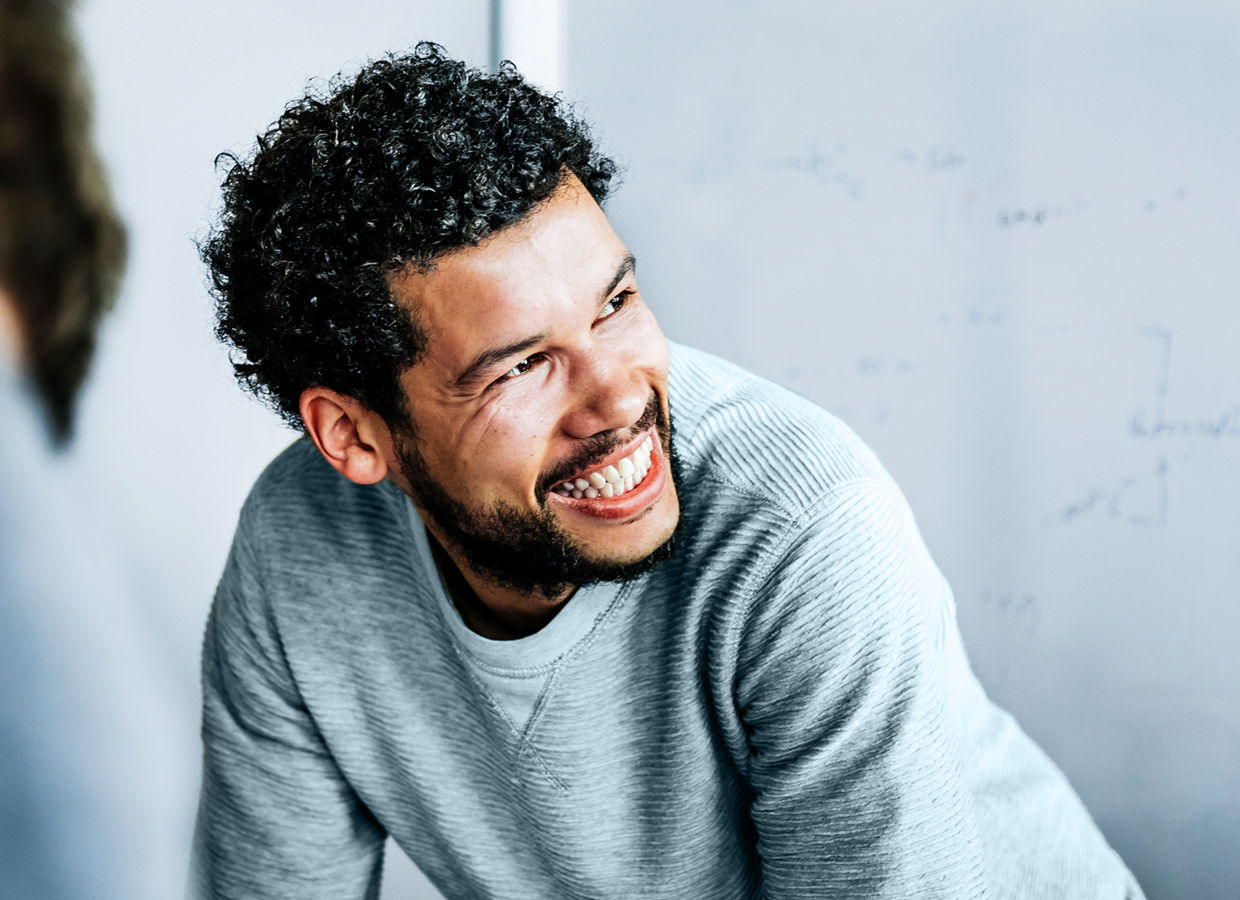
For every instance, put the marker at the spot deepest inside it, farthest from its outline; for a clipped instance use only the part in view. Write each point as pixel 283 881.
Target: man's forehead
pixel 455 308
pixel 564 251
pixel 470 295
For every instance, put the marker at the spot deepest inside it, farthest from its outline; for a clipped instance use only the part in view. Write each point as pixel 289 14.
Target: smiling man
pixel 540 451
pixel 562 610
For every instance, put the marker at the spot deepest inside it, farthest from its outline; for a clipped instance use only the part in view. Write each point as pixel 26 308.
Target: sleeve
pixel 857 785
pixel 276 818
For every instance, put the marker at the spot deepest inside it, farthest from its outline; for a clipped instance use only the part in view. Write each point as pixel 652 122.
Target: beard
pixel 528 550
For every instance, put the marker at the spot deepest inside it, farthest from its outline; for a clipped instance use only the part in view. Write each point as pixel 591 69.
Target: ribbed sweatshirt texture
pixel 784 709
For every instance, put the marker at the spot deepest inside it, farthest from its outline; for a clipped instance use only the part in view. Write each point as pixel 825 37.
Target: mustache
pixel 595 449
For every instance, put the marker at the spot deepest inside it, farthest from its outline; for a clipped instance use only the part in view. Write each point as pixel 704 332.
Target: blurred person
pixel 88 806
pixel 562 609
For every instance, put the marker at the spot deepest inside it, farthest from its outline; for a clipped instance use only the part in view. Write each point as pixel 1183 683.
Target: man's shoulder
pixel 297 470
pixel 315 560
pixel 752 437
pixel 300 504
pixel 786 511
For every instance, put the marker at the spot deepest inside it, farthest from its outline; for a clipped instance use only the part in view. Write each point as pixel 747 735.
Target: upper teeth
pixel 613 480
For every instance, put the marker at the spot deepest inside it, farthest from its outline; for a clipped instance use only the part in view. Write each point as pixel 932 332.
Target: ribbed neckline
pixel 522 655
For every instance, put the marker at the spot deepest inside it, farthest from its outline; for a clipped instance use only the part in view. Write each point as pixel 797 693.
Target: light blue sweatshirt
pixel 782 710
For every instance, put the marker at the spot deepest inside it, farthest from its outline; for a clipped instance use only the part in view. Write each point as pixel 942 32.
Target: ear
pixel 353 439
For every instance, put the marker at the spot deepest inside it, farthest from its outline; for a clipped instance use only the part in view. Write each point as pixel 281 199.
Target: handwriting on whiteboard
pixel 1138 499
pixel 1019 608
pixel 1148 423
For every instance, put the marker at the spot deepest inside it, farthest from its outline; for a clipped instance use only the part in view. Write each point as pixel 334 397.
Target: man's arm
pixel 857 780
pixel 276 818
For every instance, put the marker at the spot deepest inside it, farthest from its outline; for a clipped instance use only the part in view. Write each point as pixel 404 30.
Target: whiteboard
pixel 1000 241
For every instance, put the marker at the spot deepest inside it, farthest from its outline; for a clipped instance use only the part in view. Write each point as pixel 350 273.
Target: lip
pixel 632 502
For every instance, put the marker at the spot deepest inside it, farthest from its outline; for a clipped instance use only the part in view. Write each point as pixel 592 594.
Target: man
pixel 86 759
pixel 564 611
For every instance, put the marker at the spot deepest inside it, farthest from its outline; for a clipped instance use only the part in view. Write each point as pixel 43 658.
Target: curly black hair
pixel 417 156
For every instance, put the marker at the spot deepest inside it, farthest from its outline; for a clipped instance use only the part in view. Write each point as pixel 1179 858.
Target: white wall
pixel 1000 240
pixel 169 440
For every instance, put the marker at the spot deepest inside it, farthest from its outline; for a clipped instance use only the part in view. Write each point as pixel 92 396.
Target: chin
pixel 629 543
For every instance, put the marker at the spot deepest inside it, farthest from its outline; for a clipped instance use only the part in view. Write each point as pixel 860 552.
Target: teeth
pixel 614 480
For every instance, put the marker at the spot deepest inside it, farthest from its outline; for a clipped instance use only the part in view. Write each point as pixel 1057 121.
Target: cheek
pixel 509 439
pixel 648 344
pixel 660 355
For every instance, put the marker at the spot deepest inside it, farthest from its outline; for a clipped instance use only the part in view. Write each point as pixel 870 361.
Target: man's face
pixel 544 371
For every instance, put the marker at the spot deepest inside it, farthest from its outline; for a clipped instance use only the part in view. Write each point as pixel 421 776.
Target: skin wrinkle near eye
pixel 624 296
pixel 477 370
pixel 598 447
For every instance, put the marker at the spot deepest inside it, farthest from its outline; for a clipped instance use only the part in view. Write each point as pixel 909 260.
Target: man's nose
pixel 608 393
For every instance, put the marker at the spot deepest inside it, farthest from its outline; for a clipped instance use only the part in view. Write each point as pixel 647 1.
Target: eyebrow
pixel 476 370
pixel 626 267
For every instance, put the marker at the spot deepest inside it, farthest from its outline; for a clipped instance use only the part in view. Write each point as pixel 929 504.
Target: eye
pixel 519 369
pixel 615 304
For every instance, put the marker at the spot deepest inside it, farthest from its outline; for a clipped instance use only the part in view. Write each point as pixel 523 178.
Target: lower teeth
pixel 607 490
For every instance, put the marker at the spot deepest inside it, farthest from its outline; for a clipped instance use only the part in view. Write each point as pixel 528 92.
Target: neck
pixel 492 610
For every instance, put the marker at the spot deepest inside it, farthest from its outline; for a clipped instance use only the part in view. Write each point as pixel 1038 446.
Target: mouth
pixel 626 482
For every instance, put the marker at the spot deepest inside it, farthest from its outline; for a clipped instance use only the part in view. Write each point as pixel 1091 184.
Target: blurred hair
pixel 62 246
pixel 417 156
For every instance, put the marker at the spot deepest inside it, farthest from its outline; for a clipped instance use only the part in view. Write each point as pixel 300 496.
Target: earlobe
pixel 349 436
